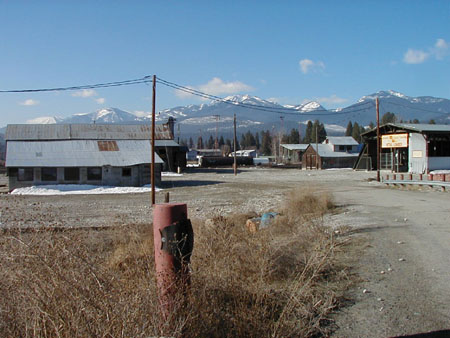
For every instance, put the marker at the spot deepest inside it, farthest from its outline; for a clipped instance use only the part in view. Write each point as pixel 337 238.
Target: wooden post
pixel 152 168
pixel 317 149
pixel 235 140
pixel 378 140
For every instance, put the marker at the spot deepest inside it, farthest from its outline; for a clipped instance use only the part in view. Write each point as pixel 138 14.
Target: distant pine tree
pixel 349 130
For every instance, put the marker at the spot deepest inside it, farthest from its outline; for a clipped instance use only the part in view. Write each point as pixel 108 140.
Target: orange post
pixel 174 241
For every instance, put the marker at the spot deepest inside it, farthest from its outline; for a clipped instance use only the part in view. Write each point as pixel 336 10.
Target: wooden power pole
pixel 235 148
pixel 152 167
pixel 378 139
pixel 317 148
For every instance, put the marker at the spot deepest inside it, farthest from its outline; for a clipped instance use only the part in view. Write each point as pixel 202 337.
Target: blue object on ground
pixel 267 218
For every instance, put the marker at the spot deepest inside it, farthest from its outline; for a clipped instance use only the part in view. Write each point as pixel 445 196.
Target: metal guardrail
pixel 430 180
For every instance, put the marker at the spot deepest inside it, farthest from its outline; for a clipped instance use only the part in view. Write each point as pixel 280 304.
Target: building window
pixel 71 174
pixel 439 148
pixel 341 148
pixel 126 172
pixel 48 174
pixel 94 174
pixel 25 174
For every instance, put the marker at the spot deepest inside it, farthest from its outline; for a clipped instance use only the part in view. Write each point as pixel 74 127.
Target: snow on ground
pixel 170 174
pixel 437 172
pixel 79 189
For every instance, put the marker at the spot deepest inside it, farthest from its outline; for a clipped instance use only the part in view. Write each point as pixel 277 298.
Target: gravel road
pixel 404 266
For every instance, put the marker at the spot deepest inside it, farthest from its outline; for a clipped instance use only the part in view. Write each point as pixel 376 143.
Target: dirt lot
pixel 403 266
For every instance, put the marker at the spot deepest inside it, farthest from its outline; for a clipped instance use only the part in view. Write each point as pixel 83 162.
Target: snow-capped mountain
pixel 106 115
pixel 422 108
pixel 258 114
pixel 45 120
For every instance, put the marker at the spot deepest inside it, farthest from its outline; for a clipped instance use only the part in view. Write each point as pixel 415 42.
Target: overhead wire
pixel 420 109
pixel 277 110
pixel 145 79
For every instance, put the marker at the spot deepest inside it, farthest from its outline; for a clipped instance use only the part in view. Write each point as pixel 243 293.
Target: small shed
pixel 292 153
pixel 322 156
pixel 405 147
pixel 81 154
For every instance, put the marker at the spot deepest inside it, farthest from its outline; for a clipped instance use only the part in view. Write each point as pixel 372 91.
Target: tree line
pixel 268 142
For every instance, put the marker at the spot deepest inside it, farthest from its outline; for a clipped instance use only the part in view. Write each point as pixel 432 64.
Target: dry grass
pixel 283 281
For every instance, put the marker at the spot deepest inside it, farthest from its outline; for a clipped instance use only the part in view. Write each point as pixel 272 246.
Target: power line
pixel 420 109
pixel 145 79
pixel 281 110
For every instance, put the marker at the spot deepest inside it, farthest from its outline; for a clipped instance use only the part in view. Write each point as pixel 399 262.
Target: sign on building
pixel 394 141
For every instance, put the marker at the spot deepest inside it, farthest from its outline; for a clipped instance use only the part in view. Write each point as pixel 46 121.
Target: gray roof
pixel 78 153
pixel 325 150
pixel 342 140
pixel 295 146
pixel 45 132
pixel 166 143
pixel 422 127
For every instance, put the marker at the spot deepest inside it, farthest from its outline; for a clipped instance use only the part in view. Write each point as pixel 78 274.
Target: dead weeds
pixel 283 281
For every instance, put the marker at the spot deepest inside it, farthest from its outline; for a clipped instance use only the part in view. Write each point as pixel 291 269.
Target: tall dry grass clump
pixel 282 281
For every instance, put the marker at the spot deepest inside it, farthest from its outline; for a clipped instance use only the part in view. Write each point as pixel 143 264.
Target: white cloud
pixel 440 49
pixel 415 56
pixel 307 65
pixel 100 100
pixel 331 100
pixel 141 113
pixel 85 93
pixel 217 86
pixel 29 102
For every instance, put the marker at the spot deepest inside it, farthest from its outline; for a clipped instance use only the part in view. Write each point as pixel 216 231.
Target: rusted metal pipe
pixel 173 241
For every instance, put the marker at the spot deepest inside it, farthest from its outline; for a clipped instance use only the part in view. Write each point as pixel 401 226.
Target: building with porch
pixel 413 148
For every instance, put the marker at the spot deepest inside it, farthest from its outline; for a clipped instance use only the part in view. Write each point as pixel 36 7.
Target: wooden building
pixel 414 148
pixel 112 154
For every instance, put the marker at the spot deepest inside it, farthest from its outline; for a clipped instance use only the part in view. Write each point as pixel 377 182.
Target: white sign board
pixel 394 141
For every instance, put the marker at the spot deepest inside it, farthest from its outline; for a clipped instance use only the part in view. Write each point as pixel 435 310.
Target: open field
pixel 400 257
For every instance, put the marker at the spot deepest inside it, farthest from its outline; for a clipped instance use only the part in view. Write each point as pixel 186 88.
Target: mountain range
pixel 258 114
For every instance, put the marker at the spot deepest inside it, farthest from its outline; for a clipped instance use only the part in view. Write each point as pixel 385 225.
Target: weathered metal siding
pixel 47 132
pixel 77 153
pixel 417 145
pixel 140 175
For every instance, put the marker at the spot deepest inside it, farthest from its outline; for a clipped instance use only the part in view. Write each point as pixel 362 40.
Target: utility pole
pixel 377 103
pixel 317 148
pixel 152 167
pixel 280 137
pixel 234 141
pixel 216 142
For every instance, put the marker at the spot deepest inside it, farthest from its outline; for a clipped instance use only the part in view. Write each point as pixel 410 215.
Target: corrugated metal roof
pixel 342 140
pixel 45 132
pixel 77 153
pixel 295 146
pixel 166 143
pixel 422 127
pixel 325 150
pixel 419 128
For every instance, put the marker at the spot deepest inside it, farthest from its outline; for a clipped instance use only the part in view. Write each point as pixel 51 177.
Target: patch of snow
pixel 437 172
pixel 81 189
pixel 169 173
pixel 44 120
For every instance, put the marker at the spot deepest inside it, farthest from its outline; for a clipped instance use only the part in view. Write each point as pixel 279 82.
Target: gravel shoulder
pixel 406 234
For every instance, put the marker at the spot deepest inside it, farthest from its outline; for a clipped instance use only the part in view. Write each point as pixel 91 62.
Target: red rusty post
pixel 174 241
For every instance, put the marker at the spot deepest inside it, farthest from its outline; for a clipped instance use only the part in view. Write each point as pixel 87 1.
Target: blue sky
pixel 289 51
